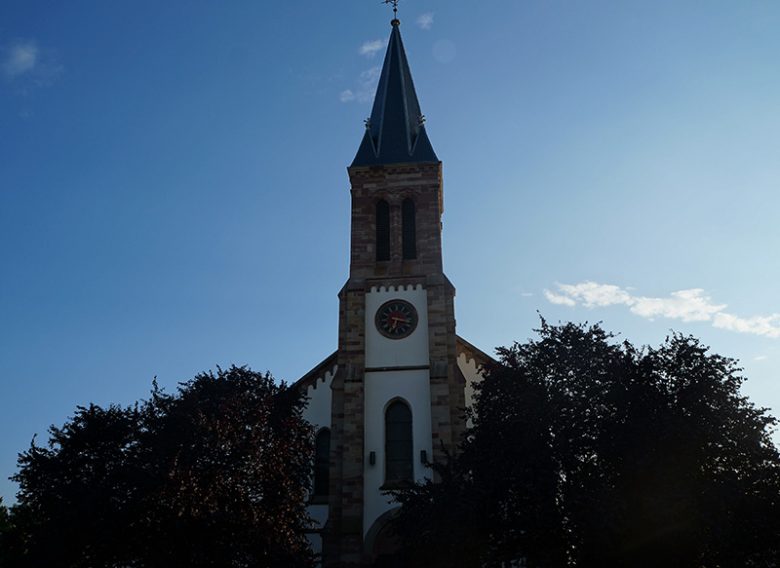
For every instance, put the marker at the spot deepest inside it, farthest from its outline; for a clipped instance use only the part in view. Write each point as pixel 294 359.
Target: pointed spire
pixel 395 133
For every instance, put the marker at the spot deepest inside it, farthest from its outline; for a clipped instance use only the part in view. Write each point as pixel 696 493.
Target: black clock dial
pixel 396 319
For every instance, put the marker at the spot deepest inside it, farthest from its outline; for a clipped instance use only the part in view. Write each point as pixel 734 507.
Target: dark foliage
pixel 214 475
pixel 589 453
pixel 5 529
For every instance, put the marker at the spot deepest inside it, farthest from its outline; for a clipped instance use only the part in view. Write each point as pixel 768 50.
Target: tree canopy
pixel 213 475
pixel 588 452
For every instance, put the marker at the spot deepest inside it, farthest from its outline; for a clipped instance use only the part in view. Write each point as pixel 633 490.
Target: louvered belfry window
pixel 409 230
pixel 398 443
pixel 322 462
pixel 382 230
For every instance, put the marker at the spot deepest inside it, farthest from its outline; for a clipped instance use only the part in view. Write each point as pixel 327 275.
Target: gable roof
pixel 463 348
pixel 317 372
pixel 471 352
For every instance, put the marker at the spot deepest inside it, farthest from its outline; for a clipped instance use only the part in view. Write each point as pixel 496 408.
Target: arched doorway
pixel 382 545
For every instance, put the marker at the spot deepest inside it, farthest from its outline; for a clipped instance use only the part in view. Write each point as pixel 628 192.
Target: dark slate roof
pixel 395 132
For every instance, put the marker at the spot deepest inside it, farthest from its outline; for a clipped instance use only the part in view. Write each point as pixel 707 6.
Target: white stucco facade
pixel 318 414
pixel 395 369
pixel 318 395
pixel 407 352
pixel 470 369
pixel 395 381
pixel 381 389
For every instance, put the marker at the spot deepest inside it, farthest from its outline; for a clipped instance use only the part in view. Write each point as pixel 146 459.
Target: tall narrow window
pixel 409 231
pixel 322 463
pixel 382 230
pixel 398 443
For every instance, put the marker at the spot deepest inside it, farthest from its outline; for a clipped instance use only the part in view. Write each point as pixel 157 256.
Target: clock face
pixel 396 319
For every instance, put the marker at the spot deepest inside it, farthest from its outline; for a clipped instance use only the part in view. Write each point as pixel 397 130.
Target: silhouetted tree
pixel 5 527
pixel 213 475
pixel 586 452
pixel 4 520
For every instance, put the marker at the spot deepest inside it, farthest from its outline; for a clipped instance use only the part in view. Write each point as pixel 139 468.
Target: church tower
pixel 396 321
pixel 391 399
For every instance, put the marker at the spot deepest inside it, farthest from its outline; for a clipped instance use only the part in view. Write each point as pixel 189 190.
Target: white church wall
pixel 470 369
pixel 381 388
pixel 319 515
pixel 318 413
pixel 318 410
pixel 410 351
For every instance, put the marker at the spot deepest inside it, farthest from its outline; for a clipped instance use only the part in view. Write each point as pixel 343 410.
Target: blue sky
pixel 173 188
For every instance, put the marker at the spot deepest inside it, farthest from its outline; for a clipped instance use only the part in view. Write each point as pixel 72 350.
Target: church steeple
pixel 396 392
pixel 395 133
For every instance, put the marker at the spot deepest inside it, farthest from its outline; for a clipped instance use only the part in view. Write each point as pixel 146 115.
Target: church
pixel 390 399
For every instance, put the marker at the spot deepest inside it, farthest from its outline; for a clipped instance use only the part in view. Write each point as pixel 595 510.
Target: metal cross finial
pixel 395 7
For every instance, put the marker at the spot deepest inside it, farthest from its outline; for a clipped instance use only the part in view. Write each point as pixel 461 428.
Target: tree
pixel 587 452
pixel 5 527
pixel 213 475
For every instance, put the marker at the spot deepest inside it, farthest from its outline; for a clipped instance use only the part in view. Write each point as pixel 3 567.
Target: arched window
pixel 382 230
pixel 409 229
pixel 322 463
pixel 398 443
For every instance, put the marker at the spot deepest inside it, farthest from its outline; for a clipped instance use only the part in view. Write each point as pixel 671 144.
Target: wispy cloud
pixel 760 358
pixel 757 325
pixel 371 48
pixel 26 65
pixel 365 88
pixel 686 305
pixel 692 305
pixel 559 299
pixel 20 58
pixel 592 294
pixel 425 21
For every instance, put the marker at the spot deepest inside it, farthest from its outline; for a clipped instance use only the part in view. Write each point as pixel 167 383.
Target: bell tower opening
pixel 409 229
pixel 382 230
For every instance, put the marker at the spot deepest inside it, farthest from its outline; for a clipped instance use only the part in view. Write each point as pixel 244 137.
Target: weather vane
pixel 395 7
